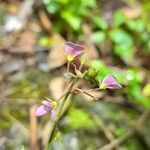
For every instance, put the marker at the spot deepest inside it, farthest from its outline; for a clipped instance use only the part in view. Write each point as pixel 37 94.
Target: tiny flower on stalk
pixel 47 107
pixel 110 82
pixel 73 50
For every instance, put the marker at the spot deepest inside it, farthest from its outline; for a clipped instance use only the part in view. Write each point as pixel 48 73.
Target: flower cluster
pixel 74 52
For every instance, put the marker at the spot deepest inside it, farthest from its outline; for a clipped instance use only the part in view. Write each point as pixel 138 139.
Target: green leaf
pixel 123 42
pixel 64 2
pixel 53 7
pixel 120 36
pixel 73 20
pixel 132 76
pixel 123 50
pixel 45 41
pixel 136 95
pixel 78 118
pixel 134 90
pixel 136 25
pixel 100 22
pixel 98 37
pixel 102 69
pixel 46 2
pixel 86 3
pixel 118 18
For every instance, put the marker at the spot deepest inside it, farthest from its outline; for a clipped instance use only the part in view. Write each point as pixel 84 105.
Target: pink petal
pixel 79 47
pixel 76 53
pixel 40 111
pixel 111 82
pixel 109 79
pixel 69 47
pixel 73 49
pixel 46 103
pixel 78 50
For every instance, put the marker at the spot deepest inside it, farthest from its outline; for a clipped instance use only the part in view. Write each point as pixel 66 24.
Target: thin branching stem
pixel 59 111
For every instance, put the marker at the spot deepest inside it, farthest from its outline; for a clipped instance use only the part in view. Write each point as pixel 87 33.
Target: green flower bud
pixel 91 73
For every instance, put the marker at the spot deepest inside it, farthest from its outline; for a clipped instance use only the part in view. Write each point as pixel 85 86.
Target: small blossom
pixel 45 108
pixel 73 50
pixel 110 82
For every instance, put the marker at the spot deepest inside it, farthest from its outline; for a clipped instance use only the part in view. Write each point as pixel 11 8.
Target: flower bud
pixel 91 73
pixel 110 82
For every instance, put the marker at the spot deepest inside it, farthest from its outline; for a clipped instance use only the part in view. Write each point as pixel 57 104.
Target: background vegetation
pixel 116 36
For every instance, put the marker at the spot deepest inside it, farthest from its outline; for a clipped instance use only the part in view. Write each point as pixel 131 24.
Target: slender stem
pixel 96 89
pixel 80 67
pixel 59 110
pixel 68 66
pixel 65 98
pixel 82 91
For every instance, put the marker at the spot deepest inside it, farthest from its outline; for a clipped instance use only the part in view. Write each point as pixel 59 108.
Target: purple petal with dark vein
pixel 79 47
pixel 69 47
pixel 76 53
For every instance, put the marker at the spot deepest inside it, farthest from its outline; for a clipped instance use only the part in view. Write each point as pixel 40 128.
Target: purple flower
pixel 45 108
pixel 73 50
pixel 110 82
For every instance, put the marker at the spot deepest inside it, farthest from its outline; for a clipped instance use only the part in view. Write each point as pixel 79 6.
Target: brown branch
pixel 138 124
pixel 83 91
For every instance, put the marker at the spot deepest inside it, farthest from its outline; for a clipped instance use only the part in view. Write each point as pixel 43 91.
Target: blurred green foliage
pixel 128 37
pixel 79 118
pixel 131 78
pixel 124 32
pixel 69 12
pixel 31 84
pixel 129 40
